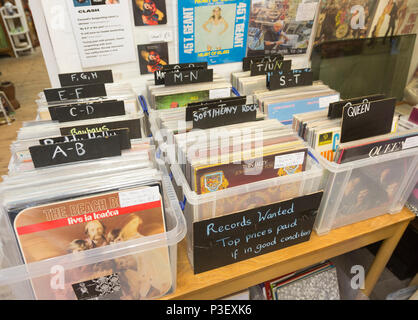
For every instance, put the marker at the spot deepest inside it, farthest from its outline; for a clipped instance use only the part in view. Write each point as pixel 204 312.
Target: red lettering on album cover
pixel 43 226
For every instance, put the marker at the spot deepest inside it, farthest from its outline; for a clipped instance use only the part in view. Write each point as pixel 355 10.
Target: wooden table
pixel 239 276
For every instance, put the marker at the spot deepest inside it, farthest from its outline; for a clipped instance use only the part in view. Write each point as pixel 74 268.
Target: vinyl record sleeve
pixel 98 220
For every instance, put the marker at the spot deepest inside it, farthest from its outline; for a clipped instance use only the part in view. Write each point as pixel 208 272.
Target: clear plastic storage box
pixel 244 197
pixel 17 281
pixel 365 188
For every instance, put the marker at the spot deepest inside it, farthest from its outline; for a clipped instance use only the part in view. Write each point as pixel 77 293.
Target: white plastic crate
pixel 244 197
pixel 365 188
pixel 16 279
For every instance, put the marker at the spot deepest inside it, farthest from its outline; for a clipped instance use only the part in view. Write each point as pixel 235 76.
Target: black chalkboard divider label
pixel 188 77
pixel 365 120
pixel 88 77
pixel 192 108
pixel 134 126
pixel 85 111
pixel 248 61
pixel 159 76
pixel 69 152
pixel 206 118
pixel 335 109
pixel 251 233
pixel 75 92
pixel 294 78
pixel 123 135
pixel 265 67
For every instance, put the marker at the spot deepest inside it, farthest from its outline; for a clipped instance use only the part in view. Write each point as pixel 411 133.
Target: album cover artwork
pixel 370 189
pixel 213 178
pixel 380 146
pixel 180 100
pixel 213 31
pixel 149 12
pixel 345 19
pixel 152 57
pixel 395 17
pixel 75 226
pixel 274 28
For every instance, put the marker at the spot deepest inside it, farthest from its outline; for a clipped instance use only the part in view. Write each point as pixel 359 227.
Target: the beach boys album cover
pixel 213 31
pixel 280 26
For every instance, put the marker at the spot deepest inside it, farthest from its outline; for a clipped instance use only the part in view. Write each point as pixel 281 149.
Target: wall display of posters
pixel 395 17
pixel 345 19
pixel 152 57
pixel 213 31
pixel 149 12
pixel 280 26
pixel 102 31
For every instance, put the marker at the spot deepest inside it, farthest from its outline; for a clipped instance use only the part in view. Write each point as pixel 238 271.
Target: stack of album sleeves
pixel 168 104
pixel 230 169
pixel 318 282
pixel 296 92
pixel 369 154
pixel 88 197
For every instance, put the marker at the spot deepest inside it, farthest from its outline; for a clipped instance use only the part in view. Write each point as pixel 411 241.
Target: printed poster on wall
pixel 341 20
pixel 103 31
pixel 280 26
pixel 213 31
pixel 395 18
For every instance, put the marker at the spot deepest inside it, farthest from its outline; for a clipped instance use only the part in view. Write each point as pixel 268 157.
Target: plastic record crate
pixel 244 197
pixel 16 280
pixel 365 188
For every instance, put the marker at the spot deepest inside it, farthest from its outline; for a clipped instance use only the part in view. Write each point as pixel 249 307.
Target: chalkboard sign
pixel 367 119
pixel 85 111
pixel 188 77
pixel 90 77
pixel 240 236
pixel 159 75
pixel 75 92
pixel 68 152
pixel 191 109
pixel 265 67
pixel 206 118
pixel 335 109
pixel 133 125
pixel 294 78
pixel 248 61
pixel 123 135
pixel 218 100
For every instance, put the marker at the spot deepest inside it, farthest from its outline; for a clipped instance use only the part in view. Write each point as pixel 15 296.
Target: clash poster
pixel 345 19
pixel 280 26
pixel 213 31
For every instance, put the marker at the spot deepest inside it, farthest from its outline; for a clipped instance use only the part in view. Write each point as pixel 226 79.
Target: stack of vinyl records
pixel 80 189
pixel 336 138
pixel 161 97
pixel 169 119
pixel 284 103
pixel 220 158
pixel 319 282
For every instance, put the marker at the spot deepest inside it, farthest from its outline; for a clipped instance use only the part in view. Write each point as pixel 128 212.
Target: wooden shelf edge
pixel 211 284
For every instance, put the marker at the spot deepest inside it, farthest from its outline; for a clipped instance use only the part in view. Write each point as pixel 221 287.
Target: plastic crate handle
pixel 143 103
pixel 235 91
pixel 183 203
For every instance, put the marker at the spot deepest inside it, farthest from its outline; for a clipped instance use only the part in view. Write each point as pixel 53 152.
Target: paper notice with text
pixel 103 31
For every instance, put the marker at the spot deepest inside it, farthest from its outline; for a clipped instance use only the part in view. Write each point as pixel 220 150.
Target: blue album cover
pixel 213 31
pixel 284 111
